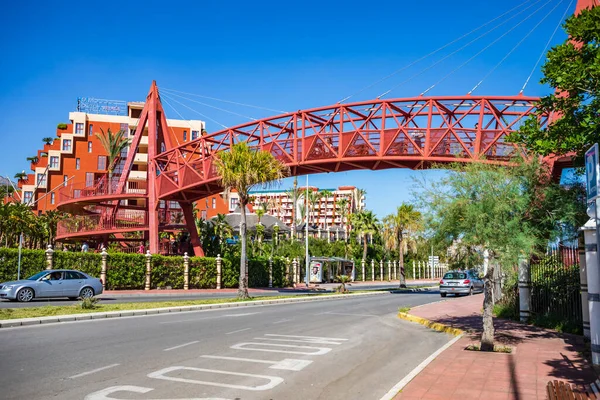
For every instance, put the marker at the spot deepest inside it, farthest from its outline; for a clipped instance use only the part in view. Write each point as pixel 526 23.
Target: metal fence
pixel 555 286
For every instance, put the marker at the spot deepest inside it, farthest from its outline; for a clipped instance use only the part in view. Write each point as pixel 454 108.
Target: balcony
pixel 138 175
pixel 123 220
pixel 141 158
pixel 81 192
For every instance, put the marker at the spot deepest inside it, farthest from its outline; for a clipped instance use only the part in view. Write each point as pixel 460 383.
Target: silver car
pixel 460 282
pixel 52 283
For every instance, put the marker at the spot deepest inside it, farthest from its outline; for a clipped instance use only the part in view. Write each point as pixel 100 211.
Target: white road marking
pixel 282 321
pixel 103 394
pixel 239 330
pixel 306 337
pixel 240 315
pixel 93 371
pixel 319 350
pixel 273 380
pixel 309 341
pixel 400 385
pixel 289 364
pixel 181 345
pixel 354 315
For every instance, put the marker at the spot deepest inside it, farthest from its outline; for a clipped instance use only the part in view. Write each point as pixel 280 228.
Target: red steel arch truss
pixel 378 134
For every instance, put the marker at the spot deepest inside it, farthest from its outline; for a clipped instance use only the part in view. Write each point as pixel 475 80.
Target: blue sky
pixel 281 55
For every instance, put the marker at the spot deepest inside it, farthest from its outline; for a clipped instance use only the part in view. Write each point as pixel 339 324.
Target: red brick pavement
pixel 539 355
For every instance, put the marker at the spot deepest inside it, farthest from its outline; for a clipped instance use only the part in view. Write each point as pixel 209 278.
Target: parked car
pixel 461 282
pixel 52 283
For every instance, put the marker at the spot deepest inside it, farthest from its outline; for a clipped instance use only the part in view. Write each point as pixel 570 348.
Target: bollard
pixel 295 270
pixel 49 257
pixel 103 268
pixel 220 270
pixel 373 270
pixel 524 289
pixel 287 269
pixel 270 272
pixel 186 271
pixel 414 272
pixel 381 270
pixel 389 270
pixel 148 270
pixel 593 279
pixel 585 310
pixel 363 269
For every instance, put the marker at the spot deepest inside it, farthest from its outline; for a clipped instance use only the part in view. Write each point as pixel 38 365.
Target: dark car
pixel 461 282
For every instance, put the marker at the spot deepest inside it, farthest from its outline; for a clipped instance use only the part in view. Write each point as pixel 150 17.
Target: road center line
pixel 181 345
pixel 93 371
pixel 282 321
pixel 239 330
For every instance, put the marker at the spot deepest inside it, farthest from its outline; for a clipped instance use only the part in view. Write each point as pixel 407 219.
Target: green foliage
pixel 32 262
pixel 113 144
pixel 61 126
pixel 91 303
pixel 574 70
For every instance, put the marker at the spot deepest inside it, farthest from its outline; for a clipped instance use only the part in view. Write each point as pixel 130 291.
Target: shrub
pixel 61 126
pixel 89 303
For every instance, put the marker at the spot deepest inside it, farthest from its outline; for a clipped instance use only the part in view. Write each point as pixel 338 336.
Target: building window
pixel 161 204
pixel 194 135
pixel 79 128
pixel 203 214
pixel 214 202
pixel 66 145
pixel 184 136
pixel 91 130
pixel 65 179
pixel 41 180
pixel 53 161
pixel 89 179
pixel 89 147
pixel 206 201
pixel 77 163
pixel 52 198
pixel 101 163
pixel 76 193
pixel 233 203
pixel 27 196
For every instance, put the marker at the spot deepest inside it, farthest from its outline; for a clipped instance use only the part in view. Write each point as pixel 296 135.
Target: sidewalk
pixel 538 356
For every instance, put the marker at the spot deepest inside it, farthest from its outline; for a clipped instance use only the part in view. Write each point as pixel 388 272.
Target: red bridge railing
pixel 124 219
pixel 102 187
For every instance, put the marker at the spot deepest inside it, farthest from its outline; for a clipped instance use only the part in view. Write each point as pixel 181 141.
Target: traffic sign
pixel 592 172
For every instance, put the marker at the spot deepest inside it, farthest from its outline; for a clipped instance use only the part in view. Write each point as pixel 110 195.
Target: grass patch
pixel 556 323
pixel 507 311
pixel 404 309
pixel 48 311
pixel 497 349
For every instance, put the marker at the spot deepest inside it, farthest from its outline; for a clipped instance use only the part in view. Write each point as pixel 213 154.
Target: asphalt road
pixel 346 349
pixel 118 298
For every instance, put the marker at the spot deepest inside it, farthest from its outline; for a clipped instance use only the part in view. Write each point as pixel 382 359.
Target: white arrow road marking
pixel 307 337
pixel 273 380
pixel 181 345
pixel 93 371
pixel 289 364
pixel 309 341
pixel 319 350
pixel 104 393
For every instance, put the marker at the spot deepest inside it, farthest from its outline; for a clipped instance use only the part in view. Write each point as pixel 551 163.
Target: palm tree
pixel 114 144
pixel 360 193
pixel 48 140
pixel 365 224
pixel 33 160
pixel 402 226
pixel 241 168
pixel 325 194
pixel 313 199
pixel 342 208
pixel 294 194
pixel 21 176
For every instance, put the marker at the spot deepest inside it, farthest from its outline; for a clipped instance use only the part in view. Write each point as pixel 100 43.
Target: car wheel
pixel 443 294
pixel 25 295
pixel 86 293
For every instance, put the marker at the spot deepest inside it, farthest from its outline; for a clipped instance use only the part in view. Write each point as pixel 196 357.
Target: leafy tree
pixel 33 160
pixel 400 231
pixel 485 207
pixel 48 140
pixel 114 144
pixel 364 223
pixel 294 194
pixel 342 209
pixel 21 176
pixel 573 68
pixel 241 168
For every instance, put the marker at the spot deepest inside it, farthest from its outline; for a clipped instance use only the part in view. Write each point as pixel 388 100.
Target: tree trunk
pixel 243 286
pixel 401 262
pixel 487 337
pixel 364 246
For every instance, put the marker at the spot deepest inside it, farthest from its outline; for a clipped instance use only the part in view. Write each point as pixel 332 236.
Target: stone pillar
pixel 593 279
pixel 419 270
pixel 372 269
pixel 287 269
pixel 381 270
pixel 389 270
pixel 295 270
pixel 362 264
pixel 395 270
pixel 103 267
pixel 148 270
pixel 186 271
pixel 585 310
pixel 524 289
pixel 219 262
pixel 270 272
pixel 328 234
pixel 49 257
pixel 414 271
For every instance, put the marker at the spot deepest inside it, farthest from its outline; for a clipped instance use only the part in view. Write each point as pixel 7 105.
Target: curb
pixel 9 323
pixel 430 324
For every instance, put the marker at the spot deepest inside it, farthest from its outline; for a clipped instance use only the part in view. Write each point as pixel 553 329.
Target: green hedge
pixel 128 271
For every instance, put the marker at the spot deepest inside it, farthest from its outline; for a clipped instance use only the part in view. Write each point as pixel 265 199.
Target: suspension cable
pixel 562 18
pixel 197 112
pixel 516 46
pixel 484 49
pixel 215 107
pixel 459 49
pixel 432 53
pixel 172 91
